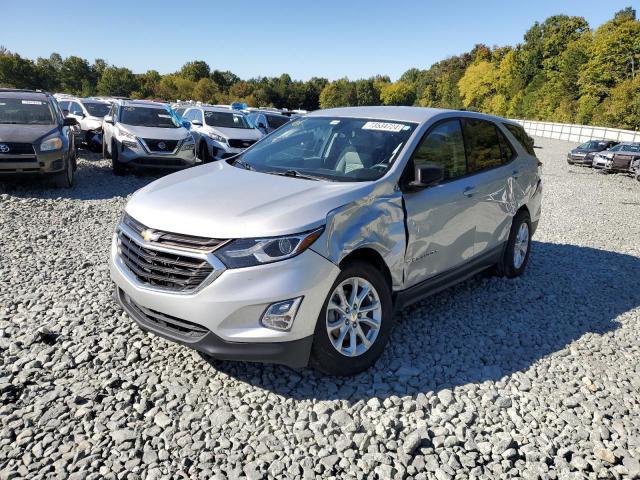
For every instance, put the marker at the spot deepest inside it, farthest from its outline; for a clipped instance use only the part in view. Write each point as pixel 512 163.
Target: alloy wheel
pixel 354 316
pixel 521 245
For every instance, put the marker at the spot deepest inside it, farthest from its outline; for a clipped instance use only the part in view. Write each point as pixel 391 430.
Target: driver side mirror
pixel 261 125
pixel 65 112
pixel 427 176
pixel 108 119
pixel 78 114
pixel 197 123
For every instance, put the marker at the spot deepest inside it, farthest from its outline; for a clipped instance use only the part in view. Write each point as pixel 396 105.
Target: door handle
pixel 468 191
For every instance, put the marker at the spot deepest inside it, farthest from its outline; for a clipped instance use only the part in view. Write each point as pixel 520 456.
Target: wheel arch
pixel 372 257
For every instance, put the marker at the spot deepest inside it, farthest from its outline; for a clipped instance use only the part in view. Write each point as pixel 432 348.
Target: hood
pixel 156 133
pixel 239 133
pixel 25 133
pixel 219 200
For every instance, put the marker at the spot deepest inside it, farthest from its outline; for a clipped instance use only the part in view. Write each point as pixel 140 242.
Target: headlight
pixel 51 144
pixel 217 138
pixel 248 252
pixel 130 144
pixel 125 134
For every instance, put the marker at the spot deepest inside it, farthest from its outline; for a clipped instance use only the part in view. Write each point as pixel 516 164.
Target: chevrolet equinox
pixel 298 250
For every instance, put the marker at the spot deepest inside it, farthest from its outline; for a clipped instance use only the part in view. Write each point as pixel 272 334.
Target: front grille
pixel 160 145
pixel 175 239
pixel 235 143
pixel 170 271
pixel 17 148
pixel 172 325
pixel 25 159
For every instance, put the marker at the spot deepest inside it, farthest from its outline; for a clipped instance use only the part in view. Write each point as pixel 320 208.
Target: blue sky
pixel 330 38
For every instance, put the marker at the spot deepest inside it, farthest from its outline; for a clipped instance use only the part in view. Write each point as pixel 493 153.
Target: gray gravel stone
pixel 534 377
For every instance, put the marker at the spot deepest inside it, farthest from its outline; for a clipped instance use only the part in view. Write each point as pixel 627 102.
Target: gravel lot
pixel 537 377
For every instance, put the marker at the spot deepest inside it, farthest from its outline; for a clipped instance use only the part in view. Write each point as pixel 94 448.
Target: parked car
pixel 35 137
pixel 635 169
pixel 220 133
pixel 298 250
pixel 584 153
pixel 617 158
pixel 267 122
pixel 89 114
pixel 139 133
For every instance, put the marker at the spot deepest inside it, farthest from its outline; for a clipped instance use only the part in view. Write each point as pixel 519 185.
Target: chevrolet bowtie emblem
pixel 149 235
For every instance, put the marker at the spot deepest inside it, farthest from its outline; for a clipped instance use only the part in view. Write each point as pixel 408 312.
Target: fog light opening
pixel 280 315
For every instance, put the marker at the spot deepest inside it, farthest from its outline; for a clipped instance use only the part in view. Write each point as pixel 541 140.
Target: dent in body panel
pixel 375 222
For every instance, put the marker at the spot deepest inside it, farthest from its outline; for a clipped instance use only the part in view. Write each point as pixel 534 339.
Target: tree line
pixel 563 71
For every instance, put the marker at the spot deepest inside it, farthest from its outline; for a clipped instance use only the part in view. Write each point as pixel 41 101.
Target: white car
pixel 298 250
pixel 88 113
pixel 220 133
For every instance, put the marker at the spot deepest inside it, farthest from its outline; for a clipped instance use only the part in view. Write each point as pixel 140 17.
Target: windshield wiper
pixel 243 164
pixel 295 174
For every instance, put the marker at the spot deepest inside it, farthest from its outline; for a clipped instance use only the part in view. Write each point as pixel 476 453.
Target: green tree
pixel 120 82
pixel 366 93
pixel 206 90
pixel 398 93
pixel 195 70
pixel 340 93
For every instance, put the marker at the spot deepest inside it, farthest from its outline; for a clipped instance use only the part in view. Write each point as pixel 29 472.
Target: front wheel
pixel 116 164
pixel 355 321
pixel 516 253
pixel 65 179
pixel 105 150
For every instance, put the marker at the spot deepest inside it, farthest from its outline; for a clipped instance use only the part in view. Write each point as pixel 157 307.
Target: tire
pixel 204 153
pixel 324 355
pixel 116 165
pixel 105 151
pixel 516 253
pixel 65 179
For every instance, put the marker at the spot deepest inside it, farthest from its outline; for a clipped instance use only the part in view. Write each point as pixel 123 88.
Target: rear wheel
pixel 116 165
pixel 516 253
pixel 355 322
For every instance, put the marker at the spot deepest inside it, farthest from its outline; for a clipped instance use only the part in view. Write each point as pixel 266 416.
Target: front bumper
pixel 141 157
pixel 43 163
pixel 226 313
pixel 580 159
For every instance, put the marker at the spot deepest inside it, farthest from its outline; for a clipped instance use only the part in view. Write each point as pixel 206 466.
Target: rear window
pixel 18 111
pixel 521 136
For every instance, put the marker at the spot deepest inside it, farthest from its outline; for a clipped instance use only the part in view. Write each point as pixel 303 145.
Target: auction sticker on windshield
pixel 31 102
pixel 384 126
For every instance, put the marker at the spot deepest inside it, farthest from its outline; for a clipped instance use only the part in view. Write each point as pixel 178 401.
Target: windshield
pixel 96 109
pixel 276 121
pixel 336 149
pixel 226 120
pixel 17 111
pixel 592 145
pixel 148 117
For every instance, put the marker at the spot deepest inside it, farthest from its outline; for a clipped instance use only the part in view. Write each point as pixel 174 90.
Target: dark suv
pixel 35 137
pixel 584 153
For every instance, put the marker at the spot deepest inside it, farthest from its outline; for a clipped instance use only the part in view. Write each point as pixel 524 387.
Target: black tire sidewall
pixel 118 168
pixel 324 356
pixel 508 266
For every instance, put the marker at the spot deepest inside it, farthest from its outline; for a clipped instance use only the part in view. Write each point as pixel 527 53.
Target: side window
pixel 444 146
pixel 187 115
pixel 508 153
pixel 482 145
pixel 522 137
pixel 75 108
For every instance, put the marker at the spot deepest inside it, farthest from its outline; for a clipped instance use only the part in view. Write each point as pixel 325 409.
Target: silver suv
pixel 298 250
pixel 146 134
pixel 219 132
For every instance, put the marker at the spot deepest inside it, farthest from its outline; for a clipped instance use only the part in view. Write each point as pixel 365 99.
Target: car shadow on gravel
pixel 94 181
pixel 483 329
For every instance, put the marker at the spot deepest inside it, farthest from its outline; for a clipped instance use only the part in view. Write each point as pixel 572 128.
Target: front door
pixel 440 223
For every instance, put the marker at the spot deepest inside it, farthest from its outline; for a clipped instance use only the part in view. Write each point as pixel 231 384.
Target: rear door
pixel 440 223
pixel 493 182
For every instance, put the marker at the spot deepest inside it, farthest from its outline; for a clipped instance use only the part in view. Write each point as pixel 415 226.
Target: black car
pixel 583 154
pixel 35 137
